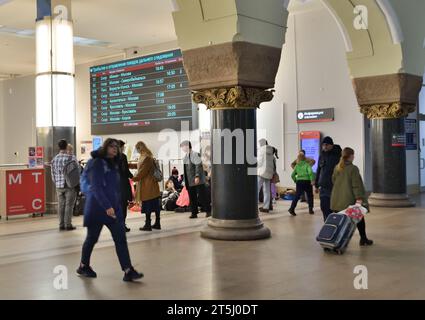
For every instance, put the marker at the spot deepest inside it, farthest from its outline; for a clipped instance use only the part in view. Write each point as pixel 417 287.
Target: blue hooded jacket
pixel 104 192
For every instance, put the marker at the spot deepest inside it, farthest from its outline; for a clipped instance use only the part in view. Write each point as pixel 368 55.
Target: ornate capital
pixel 232 98
pixel 387 111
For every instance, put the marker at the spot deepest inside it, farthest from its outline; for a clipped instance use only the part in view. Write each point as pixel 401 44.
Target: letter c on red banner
pixel 36 206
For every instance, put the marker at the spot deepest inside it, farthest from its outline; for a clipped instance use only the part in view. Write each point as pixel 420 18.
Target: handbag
pixel 157 173
pixel 275 178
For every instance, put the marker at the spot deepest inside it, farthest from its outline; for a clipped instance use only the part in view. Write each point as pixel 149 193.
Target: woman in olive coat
pixel 349 190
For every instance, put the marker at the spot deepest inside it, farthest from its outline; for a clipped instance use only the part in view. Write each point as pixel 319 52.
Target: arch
pixel 341 27
pixel 392 20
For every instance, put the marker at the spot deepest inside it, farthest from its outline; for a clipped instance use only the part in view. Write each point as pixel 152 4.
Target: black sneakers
pixel 292 212
pixel 193 216
pixel 127 229
pixel 132 275
pixel 70 228
pixel 86 271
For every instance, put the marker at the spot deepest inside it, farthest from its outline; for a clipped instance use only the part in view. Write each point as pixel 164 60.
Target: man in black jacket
pixel 125 175
pixel 194 180
pixel 329 158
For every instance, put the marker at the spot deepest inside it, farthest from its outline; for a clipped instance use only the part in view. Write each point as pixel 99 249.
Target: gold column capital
pixel 387 110
pixel 237 97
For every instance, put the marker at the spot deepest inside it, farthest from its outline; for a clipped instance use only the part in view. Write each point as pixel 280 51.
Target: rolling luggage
pixel 336 234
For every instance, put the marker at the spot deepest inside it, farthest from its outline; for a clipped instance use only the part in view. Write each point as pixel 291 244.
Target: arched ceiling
pixel 391 43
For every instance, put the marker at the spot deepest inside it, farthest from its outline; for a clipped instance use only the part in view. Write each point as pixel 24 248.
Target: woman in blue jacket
pixel 103 207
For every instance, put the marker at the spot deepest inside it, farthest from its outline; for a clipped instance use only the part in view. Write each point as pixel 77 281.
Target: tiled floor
pixel 179 264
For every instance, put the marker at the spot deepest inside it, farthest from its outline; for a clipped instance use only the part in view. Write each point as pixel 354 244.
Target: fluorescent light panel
pixel 2 2
pixel 78 41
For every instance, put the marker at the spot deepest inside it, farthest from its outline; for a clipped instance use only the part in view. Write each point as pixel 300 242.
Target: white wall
pixel 2 156
pixel 153 140
pixel 19 119
pixel 313 74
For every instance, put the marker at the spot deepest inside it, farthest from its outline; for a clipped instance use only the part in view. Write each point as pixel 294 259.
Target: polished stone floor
pixel 178 264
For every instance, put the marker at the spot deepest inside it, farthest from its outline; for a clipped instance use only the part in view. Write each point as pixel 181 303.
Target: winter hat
pixel 327 140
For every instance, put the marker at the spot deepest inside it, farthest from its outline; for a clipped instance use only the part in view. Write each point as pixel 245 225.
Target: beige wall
pixel 1 124
pixel 19 118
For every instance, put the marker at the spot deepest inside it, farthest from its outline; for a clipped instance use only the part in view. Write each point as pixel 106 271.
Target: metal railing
pixel 14 165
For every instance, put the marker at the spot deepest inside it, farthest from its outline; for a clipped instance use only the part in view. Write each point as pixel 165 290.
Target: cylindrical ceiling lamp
pixel 55 67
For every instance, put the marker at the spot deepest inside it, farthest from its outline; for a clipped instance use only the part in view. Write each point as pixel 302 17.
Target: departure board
pixel 145 94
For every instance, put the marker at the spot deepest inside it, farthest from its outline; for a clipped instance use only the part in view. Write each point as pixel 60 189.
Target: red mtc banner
pixel 25 192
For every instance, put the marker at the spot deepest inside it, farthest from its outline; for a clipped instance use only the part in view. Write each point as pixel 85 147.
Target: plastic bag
pixel 356 212
pixel 183 200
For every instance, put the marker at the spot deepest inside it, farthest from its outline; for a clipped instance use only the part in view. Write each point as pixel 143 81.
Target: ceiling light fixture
pixel 78 41
pixel 2 2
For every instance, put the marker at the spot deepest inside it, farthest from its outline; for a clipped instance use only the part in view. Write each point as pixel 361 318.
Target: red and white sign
pixel 25 192
pixel 39 152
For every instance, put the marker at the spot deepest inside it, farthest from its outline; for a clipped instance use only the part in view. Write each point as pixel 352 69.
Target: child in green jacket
pixel 303 176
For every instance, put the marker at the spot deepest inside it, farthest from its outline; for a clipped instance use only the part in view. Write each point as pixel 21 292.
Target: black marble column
pixel 389 164
pixel 234 185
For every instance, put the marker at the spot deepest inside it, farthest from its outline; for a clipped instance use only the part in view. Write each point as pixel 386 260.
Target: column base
pixel 51 208
pixel 390 200
pixel 235 230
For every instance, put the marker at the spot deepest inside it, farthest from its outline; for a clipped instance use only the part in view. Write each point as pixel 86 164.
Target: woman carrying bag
pixel 147 191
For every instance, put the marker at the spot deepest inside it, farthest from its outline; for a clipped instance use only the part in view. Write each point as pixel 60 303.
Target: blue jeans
pixel 120 239
pixel 265 183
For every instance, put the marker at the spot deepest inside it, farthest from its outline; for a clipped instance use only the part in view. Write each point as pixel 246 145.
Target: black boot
pixel 365 242
pixel 147 226
pixel 157 224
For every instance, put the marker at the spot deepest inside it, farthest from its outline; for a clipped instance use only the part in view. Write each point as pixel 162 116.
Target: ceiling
pixel 123 23
pixel 297 6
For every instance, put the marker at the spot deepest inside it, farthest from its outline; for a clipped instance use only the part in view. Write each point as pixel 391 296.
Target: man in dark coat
pixel 329 158
pixel 194 180
pixel 125 187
